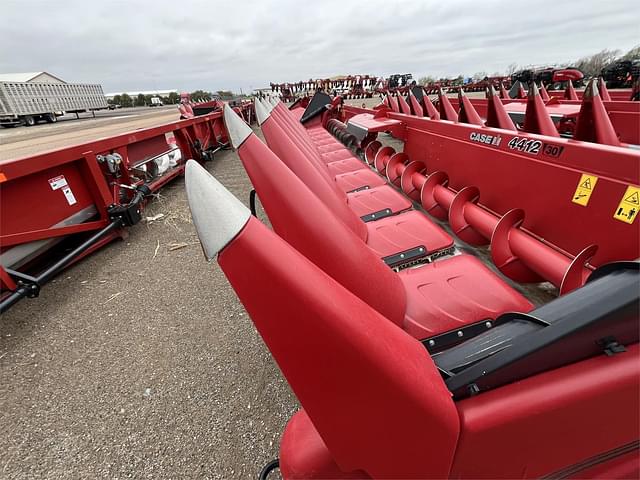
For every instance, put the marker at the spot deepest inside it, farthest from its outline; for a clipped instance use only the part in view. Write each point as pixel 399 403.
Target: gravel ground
pixel 140 362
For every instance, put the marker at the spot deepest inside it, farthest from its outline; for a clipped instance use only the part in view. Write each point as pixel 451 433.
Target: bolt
pixel 488 325
pixel 432 343
pixel 460 334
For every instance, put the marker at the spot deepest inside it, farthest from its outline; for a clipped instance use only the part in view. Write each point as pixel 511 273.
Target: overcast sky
pixel 215 45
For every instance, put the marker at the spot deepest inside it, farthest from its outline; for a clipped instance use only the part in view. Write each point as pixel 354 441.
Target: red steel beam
pixel 32 208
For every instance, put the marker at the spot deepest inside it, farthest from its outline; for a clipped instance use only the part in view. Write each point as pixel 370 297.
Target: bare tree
pixel 426 80
pixel 593 64
pixel 633 54
pixel 511 69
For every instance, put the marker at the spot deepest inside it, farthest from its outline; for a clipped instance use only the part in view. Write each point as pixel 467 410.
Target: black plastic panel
pixel 317 105
pixel 597 319
pixel 372 217
pixel 407 256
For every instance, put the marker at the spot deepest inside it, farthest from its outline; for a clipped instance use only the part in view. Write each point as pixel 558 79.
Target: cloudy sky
pixel 214 45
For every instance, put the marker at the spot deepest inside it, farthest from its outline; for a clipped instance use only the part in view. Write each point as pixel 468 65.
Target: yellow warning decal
pixel 585 188
pixel 627 210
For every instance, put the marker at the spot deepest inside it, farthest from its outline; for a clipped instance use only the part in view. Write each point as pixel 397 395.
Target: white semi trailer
pixel 26 103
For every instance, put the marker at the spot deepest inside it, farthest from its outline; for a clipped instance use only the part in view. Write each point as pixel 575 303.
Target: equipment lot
pixel 139 361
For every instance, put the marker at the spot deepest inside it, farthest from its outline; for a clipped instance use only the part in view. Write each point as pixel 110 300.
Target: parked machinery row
pixel 381 305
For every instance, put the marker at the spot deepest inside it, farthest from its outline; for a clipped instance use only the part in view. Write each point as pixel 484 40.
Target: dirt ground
pixel 139 362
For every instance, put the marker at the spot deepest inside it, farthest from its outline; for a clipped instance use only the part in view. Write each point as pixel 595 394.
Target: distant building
pixel 158 93
pixel 30 77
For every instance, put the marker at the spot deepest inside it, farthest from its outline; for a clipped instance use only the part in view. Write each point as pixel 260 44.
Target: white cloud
pixel 213 45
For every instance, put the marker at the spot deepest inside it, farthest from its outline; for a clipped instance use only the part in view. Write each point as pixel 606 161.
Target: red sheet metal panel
pixel 542 424
pixel 68 191
pixel 542 181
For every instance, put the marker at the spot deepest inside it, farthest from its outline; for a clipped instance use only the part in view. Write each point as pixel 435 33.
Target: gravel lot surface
pixel 140 362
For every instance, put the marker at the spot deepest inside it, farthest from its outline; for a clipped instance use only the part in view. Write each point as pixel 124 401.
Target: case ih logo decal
pixel 486 139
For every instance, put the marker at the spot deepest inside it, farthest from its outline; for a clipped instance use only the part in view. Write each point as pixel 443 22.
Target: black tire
pixel 50 118
pixel 29 121
pixel 268 468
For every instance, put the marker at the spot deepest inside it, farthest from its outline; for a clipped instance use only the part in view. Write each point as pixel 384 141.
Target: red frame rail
pixel 104 182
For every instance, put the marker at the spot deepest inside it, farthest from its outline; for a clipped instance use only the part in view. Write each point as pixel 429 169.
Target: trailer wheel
pixel 268 468
pixel 51 118
pixel 29 121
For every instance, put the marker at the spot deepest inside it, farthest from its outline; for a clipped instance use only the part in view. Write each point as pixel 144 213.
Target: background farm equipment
pixel 447 84
pixel 480 85
pixel 349 86
pixel 396 83
pixel 553 78
pixel 59 206
pixel 189 109
pixel 622 73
